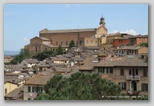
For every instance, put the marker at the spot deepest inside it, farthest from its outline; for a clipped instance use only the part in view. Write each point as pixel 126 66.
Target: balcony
pixel 133 93
pixel 134 78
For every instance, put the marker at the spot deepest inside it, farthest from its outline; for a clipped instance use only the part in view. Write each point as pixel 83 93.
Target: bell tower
pixel 101 30
pixel 102 21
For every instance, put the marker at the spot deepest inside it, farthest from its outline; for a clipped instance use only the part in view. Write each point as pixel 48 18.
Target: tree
pixel 45 54
pixel 71 44
pixel 78 86
pixel 24 54
pixel 60 50
pixel 144 44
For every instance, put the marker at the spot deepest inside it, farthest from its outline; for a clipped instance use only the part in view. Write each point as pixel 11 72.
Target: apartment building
pixel 130 72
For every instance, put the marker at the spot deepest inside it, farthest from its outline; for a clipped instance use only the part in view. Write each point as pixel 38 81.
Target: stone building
pixel 51 39
pixel 64 37
pixel 130 72
pixel 137 40
pixel 36 83
pixel 16 94
pixel 131 50
pixel 99 38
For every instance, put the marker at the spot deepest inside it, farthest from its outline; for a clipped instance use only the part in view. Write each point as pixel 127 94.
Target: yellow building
pixel 9 86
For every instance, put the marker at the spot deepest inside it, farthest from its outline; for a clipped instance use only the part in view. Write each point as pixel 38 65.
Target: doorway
pixel 134 86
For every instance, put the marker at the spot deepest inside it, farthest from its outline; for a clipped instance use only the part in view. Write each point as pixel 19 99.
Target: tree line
pixel 78 86
pixel 24 54
pixel 81 86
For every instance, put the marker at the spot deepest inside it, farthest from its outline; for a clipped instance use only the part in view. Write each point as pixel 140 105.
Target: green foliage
pixel 60 50
pixel 45 54
pixel 48 53
pixel 24 54
pixel 71 44
pixel 144 44
pixel 79 86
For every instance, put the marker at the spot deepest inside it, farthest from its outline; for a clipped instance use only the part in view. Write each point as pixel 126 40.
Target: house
pixel 13 80
pixel 60 59
pixel 29 62
pixel 9 86
pixel 130 72
pixel 41 66
pixel 87 67
pixel 131 50
pixel 35 84
pixel 13 68
pixel 121 41
pixel 137 40
pixel 7 59
pixel 16 94
pixel 77 60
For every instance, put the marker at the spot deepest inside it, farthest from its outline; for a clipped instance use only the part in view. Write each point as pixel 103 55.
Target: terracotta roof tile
pixel 31 60
pixel 40 78
pixel 129 61
pixel 68 30
pixel 88 64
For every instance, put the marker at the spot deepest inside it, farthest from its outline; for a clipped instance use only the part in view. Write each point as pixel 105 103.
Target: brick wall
pixel 65 38
pixel 141 40
pixel 117 42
